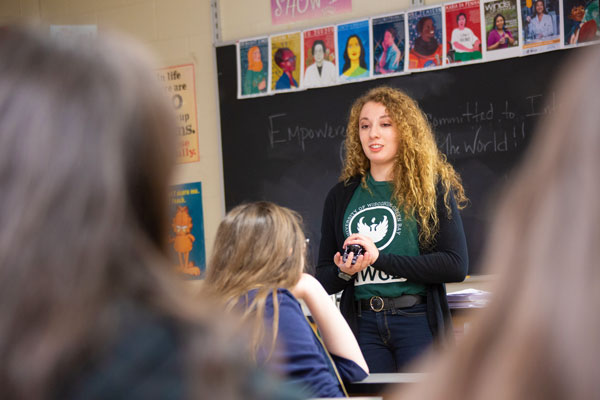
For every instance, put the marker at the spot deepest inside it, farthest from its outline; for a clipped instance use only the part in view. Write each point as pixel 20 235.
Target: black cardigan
pixel 445 261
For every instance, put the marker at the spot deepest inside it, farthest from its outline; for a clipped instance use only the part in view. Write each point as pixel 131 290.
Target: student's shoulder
pixel 286 299
pixel 284 295
pixel 291 313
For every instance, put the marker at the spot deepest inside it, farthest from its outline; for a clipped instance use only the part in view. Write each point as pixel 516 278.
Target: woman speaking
pixel 398 198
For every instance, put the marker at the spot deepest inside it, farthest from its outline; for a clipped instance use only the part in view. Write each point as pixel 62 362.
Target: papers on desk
pixel 468 298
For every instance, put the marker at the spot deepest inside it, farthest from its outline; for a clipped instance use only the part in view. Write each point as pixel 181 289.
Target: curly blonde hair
pixel 418 166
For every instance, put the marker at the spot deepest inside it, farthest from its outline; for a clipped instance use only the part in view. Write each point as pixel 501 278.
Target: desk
pixel 462 318
pixel 377 384
pixel 480 282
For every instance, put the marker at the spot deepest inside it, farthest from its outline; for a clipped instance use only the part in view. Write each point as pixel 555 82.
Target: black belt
pixel 377 303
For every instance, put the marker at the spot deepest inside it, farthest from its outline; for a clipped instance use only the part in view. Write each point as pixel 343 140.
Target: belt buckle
pixel 376 303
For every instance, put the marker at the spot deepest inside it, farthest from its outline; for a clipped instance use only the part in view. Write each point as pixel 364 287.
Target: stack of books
pixel 468 298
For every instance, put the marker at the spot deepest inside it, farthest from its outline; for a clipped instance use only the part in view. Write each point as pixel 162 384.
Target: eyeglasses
pixel 292 58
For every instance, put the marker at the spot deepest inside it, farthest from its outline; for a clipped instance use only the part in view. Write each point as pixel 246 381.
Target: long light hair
pixel 258 246
pixel 418 166
pixel 86 153
pixel 539 337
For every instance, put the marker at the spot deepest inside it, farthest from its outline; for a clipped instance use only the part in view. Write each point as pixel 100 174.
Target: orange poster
pixel 179 82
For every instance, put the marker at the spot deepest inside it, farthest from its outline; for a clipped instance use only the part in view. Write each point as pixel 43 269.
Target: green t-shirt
pixel 374 215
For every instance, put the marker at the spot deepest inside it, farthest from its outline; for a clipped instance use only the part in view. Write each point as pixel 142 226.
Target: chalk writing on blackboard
pixel 483 142
pixel 280 133
pixel 480 128
pixel 540 107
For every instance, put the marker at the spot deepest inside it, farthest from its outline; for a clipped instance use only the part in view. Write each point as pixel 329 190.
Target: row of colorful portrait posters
pixel 451 34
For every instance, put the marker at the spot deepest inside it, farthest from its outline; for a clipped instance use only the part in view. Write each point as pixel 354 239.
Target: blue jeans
pixel 390 339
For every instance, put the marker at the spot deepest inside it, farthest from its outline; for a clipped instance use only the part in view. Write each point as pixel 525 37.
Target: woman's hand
pixel 368 257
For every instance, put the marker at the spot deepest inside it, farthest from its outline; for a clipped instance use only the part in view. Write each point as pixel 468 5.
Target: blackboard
pixel 287 148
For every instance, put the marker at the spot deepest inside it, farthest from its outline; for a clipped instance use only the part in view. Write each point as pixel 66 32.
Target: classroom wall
pixel 245 19
pixel 180 32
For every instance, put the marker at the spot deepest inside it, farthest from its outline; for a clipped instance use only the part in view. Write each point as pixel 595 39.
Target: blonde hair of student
pixel 539 337
pixel 258 246
pixel 418 166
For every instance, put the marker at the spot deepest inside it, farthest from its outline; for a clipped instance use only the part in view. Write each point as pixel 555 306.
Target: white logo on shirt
pixel 383 222
pixel 376 231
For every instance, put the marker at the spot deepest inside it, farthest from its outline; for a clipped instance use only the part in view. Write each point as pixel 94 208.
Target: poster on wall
pixel 286 11
pixel 389 44
pixel 186 237
pixel 501 18
pixel 455 33
pixel 285 52
pixel 319 58
pixel 179 82
pixel 253 67
pixel 463 32
pixel 353 45
pixel 540 22
pixel 426 38
pixel 581 21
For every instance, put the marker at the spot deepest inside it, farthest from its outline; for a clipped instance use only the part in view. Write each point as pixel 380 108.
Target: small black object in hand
pixel 357 249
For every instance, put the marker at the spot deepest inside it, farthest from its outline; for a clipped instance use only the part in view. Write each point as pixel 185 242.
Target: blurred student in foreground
pixel 538 339
pixel 89 307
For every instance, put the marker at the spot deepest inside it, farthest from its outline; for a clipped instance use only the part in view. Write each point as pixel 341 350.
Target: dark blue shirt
pixel 299 353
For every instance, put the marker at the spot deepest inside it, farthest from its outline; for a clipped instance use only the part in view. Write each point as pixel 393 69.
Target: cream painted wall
pixel 247 18
pixel 179 32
